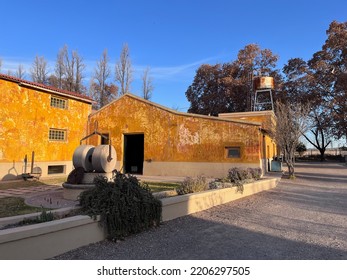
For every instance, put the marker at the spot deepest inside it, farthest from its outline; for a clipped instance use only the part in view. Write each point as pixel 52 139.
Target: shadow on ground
pixel 205 240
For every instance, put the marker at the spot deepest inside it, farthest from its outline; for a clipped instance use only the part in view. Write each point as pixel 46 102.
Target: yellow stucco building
pixel 149 139
pixel 269 149
pixel 153 140
pixel 40 119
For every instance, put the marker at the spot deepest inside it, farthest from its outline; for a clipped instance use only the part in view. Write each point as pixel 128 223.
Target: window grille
pixel 57 134
pixel 58 102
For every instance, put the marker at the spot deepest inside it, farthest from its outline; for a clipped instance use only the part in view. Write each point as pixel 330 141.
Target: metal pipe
pixel 25 163
pixel 32 162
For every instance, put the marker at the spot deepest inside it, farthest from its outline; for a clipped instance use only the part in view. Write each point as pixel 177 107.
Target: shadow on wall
pixel 9 177
pixel 12 174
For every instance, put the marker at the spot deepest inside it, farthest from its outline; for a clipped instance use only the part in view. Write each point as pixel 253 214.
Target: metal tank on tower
pixel 263 87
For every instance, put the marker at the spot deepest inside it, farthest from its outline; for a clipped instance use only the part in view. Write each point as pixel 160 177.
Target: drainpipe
pixel 263 160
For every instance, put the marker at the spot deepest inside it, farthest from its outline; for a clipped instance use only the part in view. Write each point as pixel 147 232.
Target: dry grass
pixel 31 183
pixel 13 206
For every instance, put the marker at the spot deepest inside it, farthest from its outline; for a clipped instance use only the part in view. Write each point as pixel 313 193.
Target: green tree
pixel 301 148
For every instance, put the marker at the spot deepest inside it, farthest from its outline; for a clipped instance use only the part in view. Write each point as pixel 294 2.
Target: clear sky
pixel 172 37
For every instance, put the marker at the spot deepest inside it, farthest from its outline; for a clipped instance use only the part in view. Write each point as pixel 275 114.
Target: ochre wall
pixel 25 119
pixel 266 119
pixel 175 137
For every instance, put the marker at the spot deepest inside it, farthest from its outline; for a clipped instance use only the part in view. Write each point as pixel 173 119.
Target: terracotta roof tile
pixel 45 87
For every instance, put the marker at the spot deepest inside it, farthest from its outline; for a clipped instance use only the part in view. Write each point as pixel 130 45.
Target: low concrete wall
pixel 192 169
pixel 46 240
pixel 12 171
pixel 178 206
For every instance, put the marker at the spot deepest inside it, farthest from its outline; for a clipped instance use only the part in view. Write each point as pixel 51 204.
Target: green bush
pixel 45 216
pixel 192 185
pixel 125 205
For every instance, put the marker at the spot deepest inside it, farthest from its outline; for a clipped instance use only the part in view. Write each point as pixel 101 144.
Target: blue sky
pixel 173 37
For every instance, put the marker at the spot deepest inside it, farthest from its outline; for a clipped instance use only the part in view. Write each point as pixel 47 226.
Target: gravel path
pixel 304 218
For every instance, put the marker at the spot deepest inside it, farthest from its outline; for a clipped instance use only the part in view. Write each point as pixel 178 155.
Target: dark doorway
pixel 133 153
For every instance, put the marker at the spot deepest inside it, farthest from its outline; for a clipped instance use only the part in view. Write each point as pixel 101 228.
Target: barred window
pixel 58 102
pixel 57 134
pixel 233 152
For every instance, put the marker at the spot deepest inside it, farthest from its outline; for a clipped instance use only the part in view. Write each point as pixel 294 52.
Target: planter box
pixel 178 206
pixel 46 240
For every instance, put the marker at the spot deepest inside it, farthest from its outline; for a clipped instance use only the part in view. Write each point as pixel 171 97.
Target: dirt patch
pixel 52 199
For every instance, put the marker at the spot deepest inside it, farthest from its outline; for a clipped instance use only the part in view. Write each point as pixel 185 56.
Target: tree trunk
pixel 322 157
pixel 290 164
pixel 291 173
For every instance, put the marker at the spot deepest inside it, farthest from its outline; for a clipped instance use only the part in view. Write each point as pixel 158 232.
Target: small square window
pixel 233 152
pixel 58 102
pixel 57 134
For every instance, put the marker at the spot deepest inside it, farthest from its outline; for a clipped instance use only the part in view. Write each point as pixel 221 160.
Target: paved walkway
pixel 48 196
pixel 23 192
pixel 304 218
pixel 52 196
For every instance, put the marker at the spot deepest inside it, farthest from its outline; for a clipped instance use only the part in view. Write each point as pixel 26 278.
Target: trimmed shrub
pixel 192 185
pixel 237 177
pixel 240 174
pixel 255 173
pixel 125 205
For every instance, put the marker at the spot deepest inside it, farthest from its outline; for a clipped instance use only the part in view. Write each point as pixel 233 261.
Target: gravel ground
pixel 304 218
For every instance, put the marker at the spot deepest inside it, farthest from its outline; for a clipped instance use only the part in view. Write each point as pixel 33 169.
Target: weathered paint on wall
pixel 266 118
pixel 175 137
pixel 26 117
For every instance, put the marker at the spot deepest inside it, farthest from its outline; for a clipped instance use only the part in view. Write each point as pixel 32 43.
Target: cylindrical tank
pixel 104 158
pixel 263 83
pixel 82 157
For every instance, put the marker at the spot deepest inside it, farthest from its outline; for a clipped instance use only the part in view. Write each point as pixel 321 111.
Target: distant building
pixel 39 118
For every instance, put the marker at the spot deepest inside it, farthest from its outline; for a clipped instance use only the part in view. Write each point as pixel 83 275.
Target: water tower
pixel 263 87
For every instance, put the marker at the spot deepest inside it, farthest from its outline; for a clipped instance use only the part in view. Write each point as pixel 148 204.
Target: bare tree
pixel 39 72
pixel 102 91
pixel 124 70
pixel 291 123
pixel 68 71
pixel 147 84
pixel 60 67
pixel 20 73
pixel 79 68
pixel 320 128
